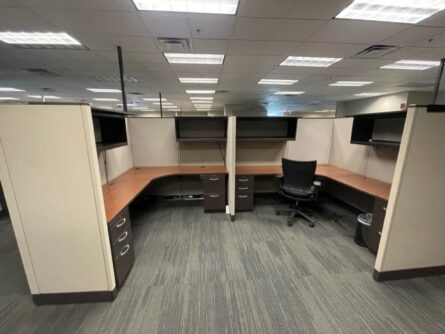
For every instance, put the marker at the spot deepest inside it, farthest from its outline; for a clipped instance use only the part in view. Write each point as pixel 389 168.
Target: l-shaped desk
pixel 121 191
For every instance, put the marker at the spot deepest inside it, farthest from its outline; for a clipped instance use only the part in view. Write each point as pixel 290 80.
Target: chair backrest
pixel 298 174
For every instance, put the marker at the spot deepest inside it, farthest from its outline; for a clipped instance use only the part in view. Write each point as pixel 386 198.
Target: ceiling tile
pixel 404 53
pixel 149 58
pixel 269 60
pixel 212 26
pixel 238 60
pixel 437 41
pixel 252 28
pixel 80 4
pixel 274 48
pixel 341 50
pixel 240 47
pixel 437 20
pixel 19 19
pixel 99 22
pixel 108 43
pixel 352 31
pixel 162 24
pixel 265 8
pixel 318 9
pixel 297 30
pixel 413 35
pixel 217 46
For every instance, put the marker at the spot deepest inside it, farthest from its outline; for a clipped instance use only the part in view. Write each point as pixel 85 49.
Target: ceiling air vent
pixel 40 71
pixel 375 51
pixel 173 44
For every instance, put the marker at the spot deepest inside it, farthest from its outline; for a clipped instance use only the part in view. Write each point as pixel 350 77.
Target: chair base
pixel 296 212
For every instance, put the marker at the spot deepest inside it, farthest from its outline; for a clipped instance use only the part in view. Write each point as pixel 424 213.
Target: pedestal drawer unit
pixel 244 193
pixel 214 192
pixel 121 239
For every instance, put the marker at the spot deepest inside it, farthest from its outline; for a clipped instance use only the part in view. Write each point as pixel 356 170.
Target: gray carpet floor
pixel 200 273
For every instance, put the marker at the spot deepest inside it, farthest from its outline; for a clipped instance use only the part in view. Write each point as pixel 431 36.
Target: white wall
pixel 414 228
pixel 374 162
pixel 313 140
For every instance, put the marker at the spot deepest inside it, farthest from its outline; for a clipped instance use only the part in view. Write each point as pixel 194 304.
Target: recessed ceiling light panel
pixel 39 39
pixel 103 90
pixel 8 98
pixel 402 11
pixel 369 94
pixel 310 61
pixel 201 98
pixel 414 65
pixel 350 83
pixel 10 89
pixel 276 82
pixel 200 91
pixel 199 80
pixel 194 58
pixel 104 99
pixel 189 6
pixel 46 97
pixel 289 93
pixel 154 99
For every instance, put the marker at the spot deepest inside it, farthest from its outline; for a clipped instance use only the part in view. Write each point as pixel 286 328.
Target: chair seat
pixel 299 192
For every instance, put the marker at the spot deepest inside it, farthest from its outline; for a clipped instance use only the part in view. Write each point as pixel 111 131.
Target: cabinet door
pixel 378 217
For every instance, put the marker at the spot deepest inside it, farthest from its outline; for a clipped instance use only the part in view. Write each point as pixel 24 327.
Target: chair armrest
pixel 317 183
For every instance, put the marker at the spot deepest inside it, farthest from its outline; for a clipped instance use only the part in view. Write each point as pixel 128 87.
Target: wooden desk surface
pixel 121 191
pixel 369 186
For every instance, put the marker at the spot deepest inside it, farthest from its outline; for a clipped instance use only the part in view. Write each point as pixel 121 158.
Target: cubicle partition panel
pixel 412 243
pixel 50 175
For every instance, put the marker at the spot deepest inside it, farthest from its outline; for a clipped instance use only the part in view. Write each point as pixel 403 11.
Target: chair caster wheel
pixel 290 224
pixel 311 224
pixel 277 213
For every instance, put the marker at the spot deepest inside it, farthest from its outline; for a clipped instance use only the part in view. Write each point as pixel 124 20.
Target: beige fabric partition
pixel 414 228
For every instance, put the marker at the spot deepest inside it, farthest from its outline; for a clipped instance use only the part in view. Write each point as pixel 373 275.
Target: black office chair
pixel 298 185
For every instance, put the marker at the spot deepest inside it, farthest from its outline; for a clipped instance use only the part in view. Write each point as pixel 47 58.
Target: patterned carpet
pixel 200 273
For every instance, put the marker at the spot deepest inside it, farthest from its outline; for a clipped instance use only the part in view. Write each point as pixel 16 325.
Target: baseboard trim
pixel 74 297
pixel 407 273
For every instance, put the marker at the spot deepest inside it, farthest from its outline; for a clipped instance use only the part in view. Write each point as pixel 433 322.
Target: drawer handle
pixel 384 208
pixel 243 180
pixel 121 222
pixel 214 196
pixel 242 196
pixel 243 188
pixel 214 179
pixel 123 236
pixel 124 250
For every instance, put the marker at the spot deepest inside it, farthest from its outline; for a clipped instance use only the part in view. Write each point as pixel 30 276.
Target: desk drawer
pixel 244 202
pixel 126 237
pixel 119 225
pixel 214 183
pixel 123 261
pixel 215 202
pixel 244 181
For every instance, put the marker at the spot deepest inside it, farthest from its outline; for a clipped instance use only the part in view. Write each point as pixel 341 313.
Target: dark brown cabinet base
pixel 214 192
pixel 121 240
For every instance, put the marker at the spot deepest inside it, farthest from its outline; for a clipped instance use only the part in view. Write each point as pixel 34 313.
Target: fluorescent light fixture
pixel 310 61
pixel 402 11
pixel 46 97
pixel 369 94
pixel 105 99
pixel 104 90
pixel 201 98
pixel 194 58
pixel 170 107
pixel 199 80
pixel 104 107
pixel 154 99
pixel 163 103
pixel 8 98
pixel 10 89
pixel 202 105
pixel 38 38
pixel 200 91
pixel 189 6
pixel 142 109
pixel 350 83
pixel 276 82
pixel 414 65
pixel 289 93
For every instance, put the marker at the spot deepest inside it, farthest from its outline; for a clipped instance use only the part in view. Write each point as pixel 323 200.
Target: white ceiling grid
pixel 255 41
